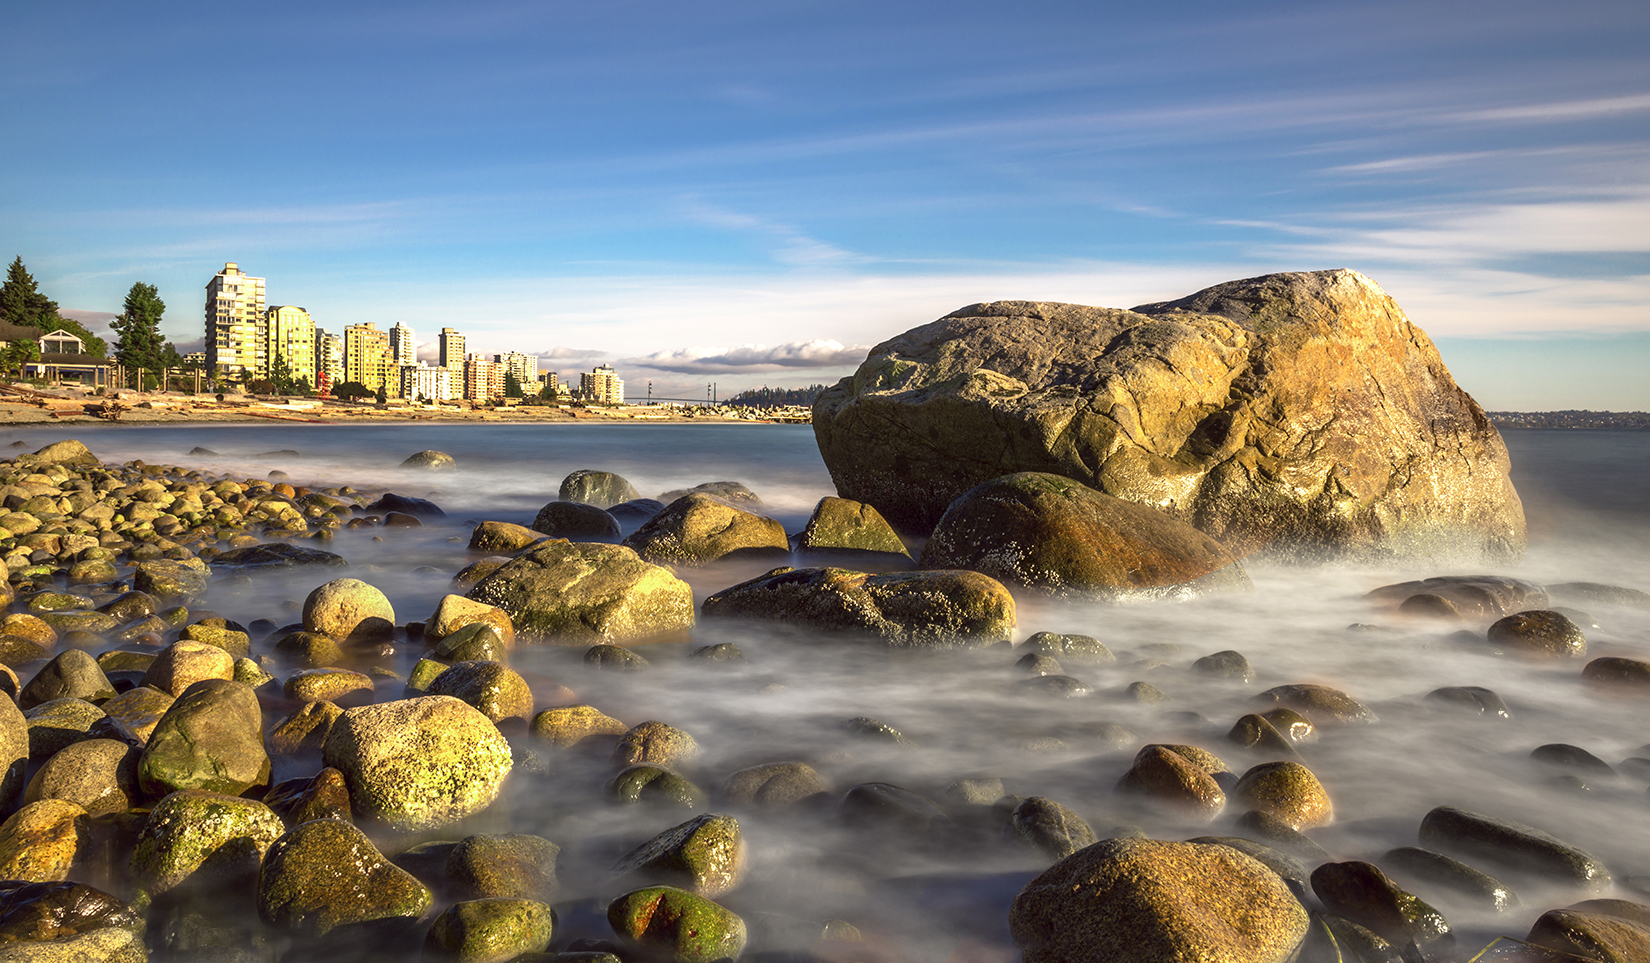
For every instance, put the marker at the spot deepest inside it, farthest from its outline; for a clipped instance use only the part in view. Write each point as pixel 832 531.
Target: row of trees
pixel 139 345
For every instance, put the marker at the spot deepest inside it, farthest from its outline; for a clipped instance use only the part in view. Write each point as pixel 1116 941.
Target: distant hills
pixel 1570 419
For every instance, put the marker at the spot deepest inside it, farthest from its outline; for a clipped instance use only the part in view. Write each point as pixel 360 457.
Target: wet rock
pixel 1471 698
pixel 700 528
pixel 1056 534
pixel 471 575
pixel 1086 393
pixel 567 726
pixel 186 662
pixel 1592 936
pixel 502 538
pixel 720 652
pixel 32 628
pixel 273 556
pixel 1056 686
pixel 576 522
pixel 1289 869
pixel 491 931
pixel 1036 663
pixel 341 687
pixel 1287 790
pixel 1453 877
pixel 1476 597
pixel 324 795
pixel 391 502
pixel 841 524
pixel 1319 703
pixel 108 945
pixel 59 723
pixel 614 657
pixel 1266 828
pixel 212 842
pixel 1049 827
pixel 1509 845
pixel 1539 633
pixel 304 730
pixel 1145 901
pixel 901 609
pixel 1225 665
pixel 675 925
pixel 237 644
pixel 599 488
pixel 1632 675
pixel 1587 592
pixel 512 865
pixel 349 610
pixel 1257 734
pixel 1072 648
pixel 1564 756
pixel 647 783
pixel 71 674
pixel 98 775
pixel 705 856
pixel 1360 892
pixel 430 459
pixel 172 582
pixel 69 451
pixel 1168 777
pixel 40 912
pixel 18 652
pixel 1337 938
pixel 732 492
pixel 43 842
pixel 584 592
pixel 496 690
pixel 774 784
pixel 475 642
pixel 636 511
pixel 418 763
pixel 656 743
pixel 309 650
pixel 14 754
pixel 1144 692
pixel 210 738
pixel 324 874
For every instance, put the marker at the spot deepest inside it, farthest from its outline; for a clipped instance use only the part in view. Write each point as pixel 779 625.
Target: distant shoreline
pixel 1570 419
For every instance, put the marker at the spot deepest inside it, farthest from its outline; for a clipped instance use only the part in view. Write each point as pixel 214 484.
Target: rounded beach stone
pixel 341 687
pixel 325 874
pixel 1321 704
pixel 1539 632
pixel 1499 842
pixel 309 650
pixel 324 795
pixel 1145 901
pixel 1257 734
pixel 577 522
pixel 646 783
pixel 30 627
pixel 476 642
pixel 566 726
pixel 59 723
pixel 656 743
pixel 496 690
pixel 1072 648
pixel 14 754
pixel 454 612
pixel 1164 775
pixel 705 855
pixel 675 925
pixel 209 840
pixel 71 674
pixel 602 489
pixel 1049 827
pixel 44 841
pixel 505 538
pixel 430 459
pixel 774 784
pixel 515 865
pixel 1460 881
pixel 304 729
pixel 701 528
pixel 349 610
pixel 210 738
pixel 1360 892
pixel 614 658
pixel 133 714
pixel 580 593
pixel 1287 790
pixel 418 763
pixel 56 913
pixel 98 775
pixel 1229 664
pixel 186 662
pixel 839 523
pixel 1628 675
pixel 491 931
pixel 1623 936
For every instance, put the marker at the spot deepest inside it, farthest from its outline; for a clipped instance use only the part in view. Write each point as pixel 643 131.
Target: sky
pixel 747 193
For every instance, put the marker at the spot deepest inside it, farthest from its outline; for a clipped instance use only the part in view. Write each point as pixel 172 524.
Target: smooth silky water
pixel 964 713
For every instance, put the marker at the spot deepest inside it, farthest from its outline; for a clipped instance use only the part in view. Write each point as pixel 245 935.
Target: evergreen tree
pixel 140 344
pixel 20 299
pixel 382 395
pixel 512 386
pixel 280 374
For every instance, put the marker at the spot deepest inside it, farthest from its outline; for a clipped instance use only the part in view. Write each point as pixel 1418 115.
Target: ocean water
pixel 966 715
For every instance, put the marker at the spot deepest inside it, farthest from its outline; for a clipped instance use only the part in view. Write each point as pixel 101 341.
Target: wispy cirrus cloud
pixel 754 358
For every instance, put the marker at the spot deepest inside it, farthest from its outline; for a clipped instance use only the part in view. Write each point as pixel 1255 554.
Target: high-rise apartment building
pixel 483 379
pixel 524 366
pixel 235 336
pixel 422 380
pixel 451 345
pixel 289 335
pixel 551 384
pixel 403 349
pixel 367 358
pixel 602 386
pixel 329 356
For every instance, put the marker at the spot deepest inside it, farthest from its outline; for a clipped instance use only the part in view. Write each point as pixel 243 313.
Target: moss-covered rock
pixel 657 743
pixel 341 687
pixel 349 610
pixel 186 662
pixel 493 688
pixel 134 713
pixel 44 841
pixel 841 523
pixel 696 529
pixel 211 738
pixel 304 729
pixel 502 538
pixel 705 855
pixel 1287 790
pixel 98 775
pixel 567 726
pixel 325 874
pixel 205 840
pixel 676 925
pixel 493 930
pixel 648 783
pixel 515 865
pixel 580 593
pixel 455 612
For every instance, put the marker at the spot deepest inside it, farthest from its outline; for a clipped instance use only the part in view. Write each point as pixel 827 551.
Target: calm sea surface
pixel 966 715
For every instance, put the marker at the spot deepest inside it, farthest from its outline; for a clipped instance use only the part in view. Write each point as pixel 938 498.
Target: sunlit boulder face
pixel 1296 415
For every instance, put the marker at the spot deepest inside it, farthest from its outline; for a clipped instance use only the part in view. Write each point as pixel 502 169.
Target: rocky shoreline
pixel 358 785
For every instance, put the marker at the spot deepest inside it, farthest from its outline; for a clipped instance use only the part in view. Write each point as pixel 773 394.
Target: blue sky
pixel 753 193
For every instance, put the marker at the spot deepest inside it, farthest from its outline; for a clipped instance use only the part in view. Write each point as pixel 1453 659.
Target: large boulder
pixel 271 556
pixel 325 874
pixel 205 839
pixel 349 610
pixel 211 738
pixel 902 609
pixel 67 452
pixel 698 528
pixel 579 593
pixel 1145 901
pixel 1049 532
pixel 1297 414
pixel 419 763
pixel 602 489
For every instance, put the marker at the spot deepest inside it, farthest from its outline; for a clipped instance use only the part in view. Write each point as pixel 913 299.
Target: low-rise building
pixel 426 381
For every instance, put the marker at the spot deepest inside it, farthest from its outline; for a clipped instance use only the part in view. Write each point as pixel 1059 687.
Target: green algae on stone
pixel 580 593
pixel 705 855
pixel 514 865
pixel 492 930
pixel 648 783
pixel 676 925
pixel 206 839
pixel 211 738
pixel 325 874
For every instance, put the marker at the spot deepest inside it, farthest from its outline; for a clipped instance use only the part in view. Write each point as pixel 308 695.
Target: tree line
pixel 139 344
pixel 766 397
